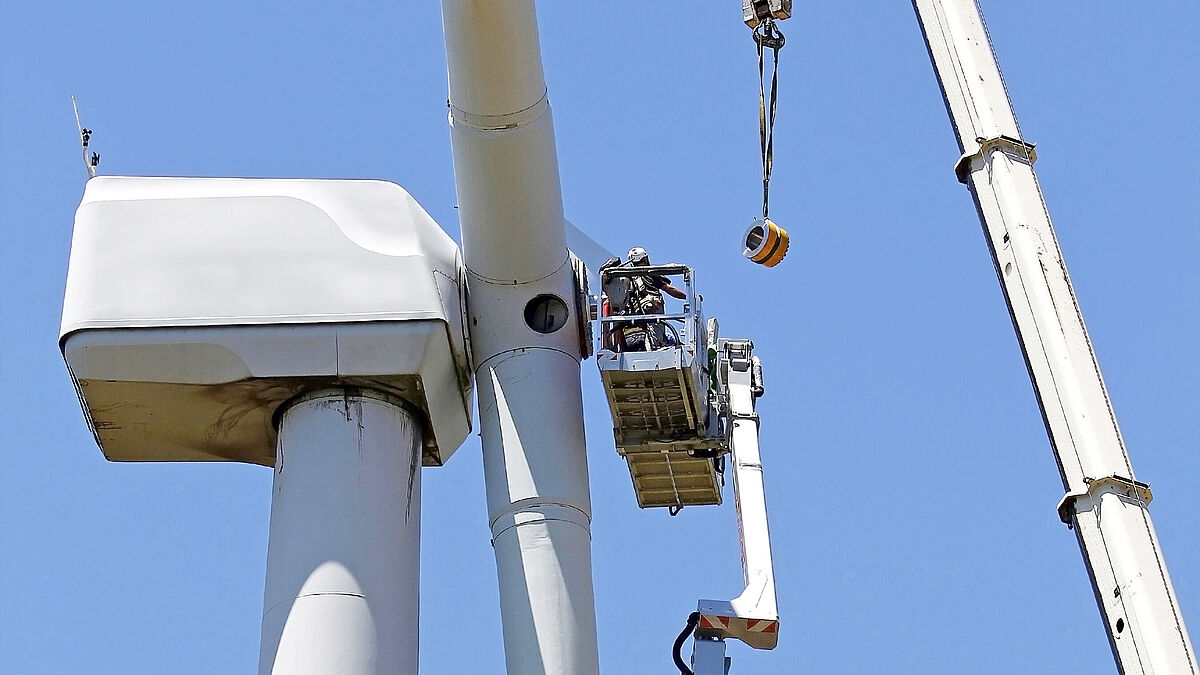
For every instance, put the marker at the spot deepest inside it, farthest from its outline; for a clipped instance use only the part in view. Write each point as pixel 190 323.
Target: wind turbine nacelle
pixel 196 307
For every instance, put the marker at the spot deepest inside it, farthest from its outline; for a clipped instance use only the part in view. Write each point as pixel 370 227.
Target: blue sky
pixel 910 482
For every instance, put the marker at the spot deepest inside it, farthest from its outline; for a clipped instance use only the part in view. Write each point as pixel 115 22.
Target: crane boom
pixel 1105 504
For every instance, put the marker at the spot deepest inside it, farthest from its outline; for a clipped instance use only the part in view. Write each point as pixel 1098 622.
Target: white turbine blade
pixel 592 253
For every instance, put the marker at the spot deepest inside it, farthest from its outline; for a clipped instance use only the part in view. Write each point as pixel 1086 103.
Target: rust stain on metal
pixel 237 421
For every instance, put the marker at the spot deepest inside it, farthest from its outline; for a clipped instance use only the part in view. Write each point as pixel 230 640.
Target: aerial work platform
pixel 664 417
pixel 683 405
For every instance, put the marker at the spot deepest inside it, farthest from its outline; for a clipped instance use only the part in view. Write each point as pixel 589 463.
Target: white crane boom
pixel 1105 504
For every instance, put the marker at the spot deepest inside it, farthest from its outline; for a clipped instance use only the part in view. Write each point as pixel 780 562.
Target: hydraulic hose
pixel 692 620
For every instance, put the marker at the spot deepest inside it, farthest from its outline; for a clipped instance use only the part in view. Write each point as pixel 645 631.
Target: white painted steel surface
pixel 708 657
pixel 505 162
pixel 343 562
pixel 755 608
pixel 1114 529
pixel 757 600
pixel 514 245
pixel 216 251
pixel 194 306
pixel 539 511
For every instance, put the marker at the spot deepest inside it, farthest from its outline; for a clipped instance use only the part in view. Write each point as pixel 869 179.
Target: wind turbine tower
pixel 313 326
pixel 322 328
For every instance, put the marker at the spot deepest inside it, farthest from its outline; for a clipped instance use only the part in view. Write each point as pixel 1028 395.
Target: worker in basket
pixel 641 294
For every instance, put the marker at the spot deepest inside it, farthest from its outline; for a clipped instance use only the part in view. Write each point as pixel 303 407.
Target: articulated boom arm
pixel 680 409
pixel 752 617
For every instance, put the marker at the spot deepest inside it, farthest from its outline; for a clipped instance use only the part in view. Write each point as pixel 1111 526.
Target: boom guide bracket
pixel 1013 147
pixel 1135 490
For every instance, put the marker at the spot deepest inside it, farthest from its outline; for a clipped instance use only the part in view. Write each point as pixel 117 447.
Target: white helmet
pixel 638 254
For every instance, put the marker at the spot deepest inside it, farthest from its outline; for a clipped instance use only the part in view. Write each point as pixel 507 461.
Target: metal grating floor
pixel 654 413
pixel 673 479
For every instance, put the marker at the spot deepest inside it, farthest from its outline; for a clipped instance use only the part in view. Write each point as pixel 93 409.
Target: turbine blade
pixel 592 253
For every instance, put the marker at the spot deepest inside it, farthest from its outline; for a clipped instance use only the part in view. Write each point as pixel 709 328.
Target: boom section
pixel 1104 503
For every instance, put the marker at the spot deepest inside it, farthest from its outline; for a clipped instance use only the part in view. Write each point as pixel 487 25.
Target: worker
pixel 645 297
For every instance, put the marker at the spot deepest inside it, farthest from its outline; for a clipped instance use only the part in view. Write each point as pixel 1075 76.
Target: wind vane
pixel 85 135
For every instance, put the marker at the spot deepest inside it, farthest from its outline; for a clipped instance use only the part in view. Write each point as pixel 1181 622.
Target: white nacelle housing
pixel 196 306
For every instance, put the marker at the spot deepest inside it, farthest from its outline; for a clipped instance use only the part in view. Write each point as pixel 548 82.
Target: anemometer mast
pixel 1105 504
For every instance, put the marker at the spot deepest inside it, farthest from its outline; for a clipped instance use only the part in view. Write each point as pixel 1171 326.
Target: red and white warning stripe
pixel 761 626
pixel 734 625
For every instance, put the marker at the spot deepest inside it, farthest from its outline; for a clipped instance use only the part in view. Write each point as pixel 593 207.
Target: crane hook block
pixel 755 11
pixel 765 242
